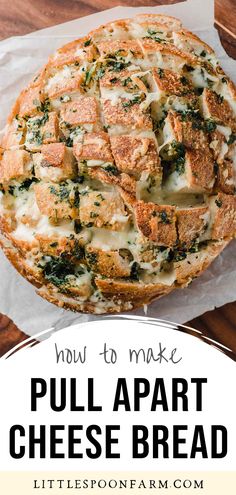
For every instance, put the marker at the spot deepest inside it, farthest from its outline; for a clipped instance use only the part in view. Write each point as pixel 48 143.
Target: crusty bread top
pixel 118 166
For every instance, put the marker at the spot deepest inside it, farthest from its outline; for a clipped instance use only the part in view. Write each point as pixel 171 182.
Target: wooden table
pixel 19 17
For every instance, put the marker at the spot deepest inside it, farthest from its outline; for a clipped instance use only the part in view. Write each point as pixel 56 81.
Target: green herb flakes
pixel 218 203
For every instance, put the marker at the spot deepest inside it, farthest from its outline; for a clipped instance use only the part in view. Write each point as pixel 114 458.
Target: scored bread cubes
pixel 157 22
pixel 74 53
pixel 126 113
pixel 127 81
pixel 55 245
pixel 187 147
pixel 57 201
pixel 184 131
pixel 223 216
pixel 187 41
pixel 167 82
pixel 199 172
pixel 164 56
pixel 225 180
pixel 95 148
pixel 55 162
pixel 15 164
pixel 157 223
pixel 84 110
pixel 135 155
pixel 125 48
pixel 41 130
pixel 217 108
pixel 108 263
pixel 105 209
pixel 191 224
pixel 31 101
pixel 14 135
pixel 64 82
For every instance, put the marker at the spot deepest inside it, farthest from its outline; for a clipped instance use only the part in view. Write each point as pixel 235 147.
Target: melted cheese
pixel 109 240
pixel 176 182
pixel 59 77
pixel 97 163
pixel 200 77
pixel 25 204
pixel 43 225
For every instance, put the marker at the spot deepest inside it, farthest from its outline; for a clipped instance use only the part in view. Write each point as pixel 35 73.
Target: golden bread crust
pixel 117 167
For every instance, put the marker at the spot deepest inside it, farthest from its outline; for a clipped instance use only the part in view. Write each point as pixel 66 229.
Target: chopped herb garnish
pixel 114 79
pixel 100 196
pixel 153 35
pixel 76 198
pixel 189 68
pixel 134 272
pixel 91 258
pixel 216 168
pixel 164 217
pixel 117 66
pixel 179 256
pixel 184 80
pixel 27 183
pixel 100 73
pixel 63 192
pixel 160 123
pixel 77 226
pixel 88 42
pixel 88 76
pixel 210 125
pixel 180 165
pixel 130 103
pixel 232 138
pixel 79 179
pixel 160 73
pixel 77 251
pixel 112 169
pixel 173 151
pixel 179 148
pixel 57 269
pixel 218 203
pixel 45 105
pixel 126 81
pixel 210 83
pixel 194 248
pixel 220 98
pixel 11 190
pixel 198 91
pixel 69 142
pixel 65 98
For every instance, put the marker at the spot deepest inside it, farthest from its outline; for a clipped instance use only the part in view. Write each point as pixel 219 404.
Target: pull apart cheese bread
pixel 118 167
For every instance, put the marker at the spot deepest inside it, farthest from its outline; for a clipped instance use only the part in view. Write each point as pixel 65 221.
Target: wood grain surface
pixel 19 17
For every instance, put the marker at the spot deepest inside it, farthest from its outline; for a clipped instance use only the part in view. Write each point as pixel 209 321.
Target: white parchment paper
pixel 20 58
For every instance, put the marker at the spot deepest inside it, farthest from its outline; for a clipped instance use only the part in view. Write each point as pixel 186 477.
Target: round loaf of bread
pixel 118 167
